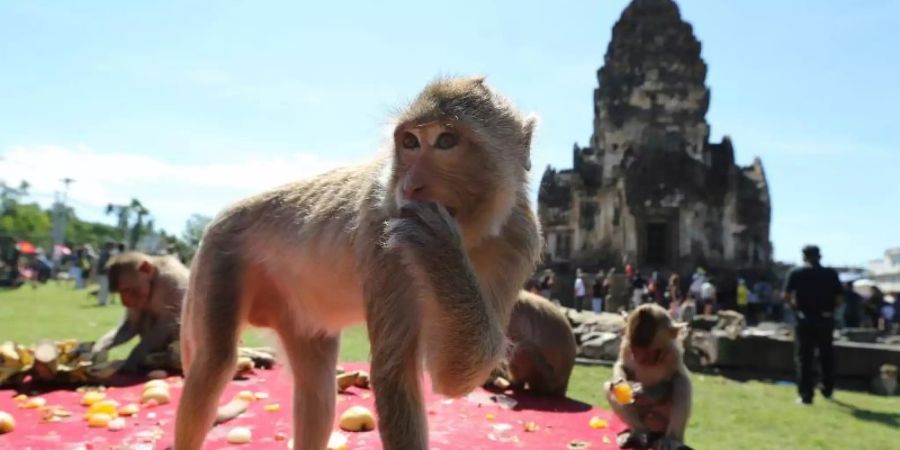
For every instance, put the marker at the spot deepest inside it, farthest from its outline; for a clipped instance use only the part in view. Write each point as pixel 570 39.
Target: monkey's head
pixel 131 275
pixel 464 146
pixel 651 335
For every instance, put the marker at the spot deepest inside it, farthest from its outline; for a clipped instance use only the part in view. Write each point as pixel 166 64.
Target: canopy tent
pixel 26 248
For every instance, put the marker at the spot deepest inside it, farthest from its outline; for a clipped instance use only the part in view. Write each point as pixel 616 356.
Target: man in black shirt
pixel 814 292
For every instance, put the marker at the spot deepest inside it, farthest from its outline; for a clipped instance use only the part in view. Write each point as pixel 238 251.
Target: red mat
pixel 472 422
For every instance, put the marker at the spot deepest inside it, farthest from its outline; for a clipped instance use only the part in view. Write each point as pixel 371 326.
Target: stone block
pixel 603 346
pixel 869 335
pixel 704 322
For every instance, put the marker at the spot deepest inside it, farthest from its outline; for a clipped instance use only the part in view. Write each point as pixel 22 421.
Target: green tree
pixel 82 232
pixel 193 234
pixel 26 221
pixel 23 220
pixel 131 225
pixel 10 196
pixel 30 222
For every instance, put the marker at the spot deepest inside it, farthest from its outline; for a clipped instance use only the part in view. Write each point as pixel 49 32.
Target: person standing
pixel 88 265
pixel 674 295
pixel 598 291
pixel 743 296
pixel 580 290
pixel 102 279
pixel 697 280
pixel 638 290
pixel 661 286
pixel 888 314
pixel 708 296
pixel 615 294
pixel 873 306
pixel 852 307
pixel 546 285
pixel 813 292
pixel 74 264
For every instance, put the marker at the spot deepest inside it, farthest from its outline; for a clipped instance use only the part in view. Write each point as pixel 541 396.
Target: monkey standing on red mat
pixel 429 244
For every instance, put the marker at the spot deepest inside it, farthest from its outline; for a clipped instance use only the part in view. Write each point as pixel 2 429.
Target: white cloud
pixel 171 190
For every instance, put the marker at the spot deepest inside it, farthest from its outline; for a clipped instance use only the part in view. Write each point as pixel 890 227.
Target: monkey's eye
pixel 409 141
pixel 446 140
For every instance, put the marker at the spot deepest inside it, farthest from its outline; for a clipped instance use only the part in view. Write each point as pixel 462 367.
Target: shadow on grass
pixel 531 402
pixel 891 419
pixel 853 384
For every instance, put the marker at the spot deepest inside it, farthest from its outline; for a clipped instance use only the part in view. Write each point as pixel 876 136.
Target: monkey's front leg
pixel 464 337
pixel 392 318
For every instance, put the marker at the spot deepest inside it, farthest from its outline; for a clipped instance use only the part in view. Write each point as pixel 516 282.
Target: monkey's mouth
pixel 648 357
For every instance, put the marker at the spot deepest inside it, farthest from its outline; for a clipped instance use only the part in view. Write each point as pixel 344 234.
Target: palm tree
pixel 124 214
pixel 138 229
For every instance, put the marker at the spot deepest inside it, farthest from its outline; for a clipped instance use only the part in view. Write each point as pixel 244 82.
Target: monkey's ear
pixel 676 329
pixel 478 79
pixel 531 123
pixel 146 267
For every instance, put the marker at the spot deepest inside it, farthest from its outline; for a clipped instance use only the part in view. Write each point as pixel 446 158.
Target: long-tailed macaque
pixel 543 348
pixel 151 288
pixel 651 354
pixel 429 244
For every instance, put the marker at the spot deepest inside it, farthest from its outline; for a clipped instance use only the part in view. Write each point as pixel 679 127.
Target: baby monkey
pixel 651 355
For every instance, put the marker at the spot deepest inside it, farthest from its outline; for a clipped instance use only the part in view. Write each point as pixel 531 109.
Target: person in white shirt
pixel 579 290
pixel 708 296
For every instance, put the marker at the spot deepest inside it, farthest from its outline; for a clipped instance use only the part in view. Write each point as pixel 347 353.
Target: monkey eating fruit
pixel 428 244
pixel 543 348
pixel 623 392
pixel 651 389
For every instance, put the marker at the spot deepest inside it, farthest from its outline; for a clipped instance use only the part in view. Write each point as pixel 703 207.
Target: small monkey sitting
pixel 543 348
pixel 428 244
pixel 651 355
pixel 151 288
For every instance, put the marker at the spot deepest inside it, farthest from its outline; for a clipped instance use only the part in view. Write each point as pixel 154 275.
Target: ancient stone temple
pixel 651 189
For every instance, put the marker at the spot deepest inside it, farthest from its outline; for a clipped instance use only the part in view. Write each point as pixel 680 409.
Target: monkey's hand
pixel 464 338
pixel 426 234
pixel 615 381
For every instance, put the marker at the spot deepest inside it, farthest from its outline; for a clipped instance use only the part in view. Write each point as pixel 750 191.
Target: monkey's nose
pixel 414 191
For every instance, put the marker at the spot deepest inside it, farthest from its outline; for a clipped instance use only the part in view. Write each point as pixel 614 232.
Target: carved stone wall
pixel 651 189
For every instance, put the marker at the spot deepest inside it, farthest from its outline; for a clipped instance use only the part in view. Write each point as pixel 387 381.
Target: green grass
pixel 727 414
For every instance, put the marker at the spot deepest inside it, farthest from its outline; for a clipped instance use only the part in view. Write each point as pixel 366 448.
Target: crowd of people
pixel 701 294
pixel 79 264
pixel 683 302
pixel 812 299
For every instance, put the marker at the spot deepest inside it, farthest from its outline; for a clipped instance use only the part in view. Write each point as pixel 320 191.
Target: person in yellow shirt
pixel 743 296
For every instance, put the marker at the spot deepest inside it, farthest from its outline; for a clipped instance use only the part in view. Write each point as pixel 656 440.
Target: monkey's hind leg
pixel 529 365
pixel 211 323
pixel 627 413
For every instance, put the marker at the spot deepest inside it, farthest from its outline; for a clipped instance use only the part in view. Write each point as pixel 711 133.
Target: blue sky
pixel 190 105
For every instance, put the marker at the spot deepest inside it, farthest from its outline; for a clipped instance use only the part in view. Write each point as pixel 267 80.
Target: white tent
pixel 864 286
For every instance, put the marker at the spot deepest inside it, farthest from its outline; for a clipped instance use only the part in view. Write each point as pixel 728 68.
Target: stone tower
pixel 650 189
